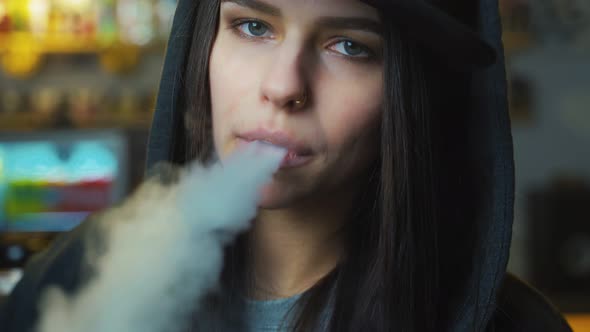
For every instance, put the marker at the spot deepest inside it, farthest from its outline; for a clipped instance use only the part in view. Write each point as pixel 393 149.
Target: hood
pixel 490 139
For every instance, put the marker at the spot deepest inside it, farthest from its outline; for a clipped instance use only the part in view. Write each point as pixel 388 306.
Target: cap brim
pixel 437 31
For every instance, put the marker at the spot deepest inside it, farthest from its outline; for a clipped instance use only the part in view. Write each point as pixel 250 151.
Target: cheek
pixel 354 111
pixel 230 81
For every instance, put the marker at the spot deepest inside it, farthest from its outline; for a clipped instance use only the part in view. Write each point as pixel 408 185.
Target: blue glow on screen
pixel 53 186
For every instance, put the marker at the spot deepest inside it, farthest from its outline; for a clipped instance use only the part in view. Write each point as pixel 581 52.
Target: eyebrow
pixel 258 6
pixel 353 23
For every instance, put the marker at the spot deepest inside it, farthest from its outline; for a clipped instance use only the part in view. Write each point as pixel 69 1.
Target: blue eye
pixel 252 28
pixel 353 49
pixel 256 30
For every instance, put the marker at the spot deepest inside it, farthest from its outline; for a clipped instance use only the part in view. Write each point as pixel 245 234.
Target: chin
pixel 271 197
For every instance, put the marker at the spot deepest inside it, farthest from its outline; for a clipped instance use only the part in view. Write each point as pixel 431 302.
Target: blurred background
pixel 78 81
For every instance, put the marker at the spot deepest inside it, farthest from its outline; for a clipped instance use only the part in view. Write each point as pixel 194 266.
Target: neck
pixel 293 248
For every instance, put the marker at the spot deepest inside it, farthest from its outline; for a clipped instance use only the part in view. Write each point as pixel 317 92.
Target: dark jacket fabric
pixel 489 298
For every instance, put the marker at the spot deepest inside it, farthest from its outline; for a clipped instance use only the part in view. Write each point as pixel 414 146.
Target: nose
pixel 285 80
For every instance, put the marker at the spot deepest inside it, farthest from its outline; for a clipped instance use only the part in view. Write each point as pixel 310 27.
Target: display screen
pixel 51 182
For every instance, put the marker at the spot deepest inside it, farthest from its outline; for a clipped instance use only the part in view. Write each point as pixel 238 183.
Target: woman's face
pixel 269 53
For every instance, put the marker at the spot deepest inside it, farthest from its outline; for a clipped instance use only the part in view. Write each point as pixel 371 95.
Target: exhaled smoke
pixel 164 248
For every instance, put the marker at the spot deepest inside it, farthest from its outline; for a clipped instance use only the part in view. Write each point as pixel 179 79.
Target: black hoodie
pixel 491 297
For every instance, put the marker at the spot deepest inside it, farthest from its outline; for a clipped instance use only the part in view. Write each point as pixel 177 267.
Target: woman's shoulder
pixel 521 307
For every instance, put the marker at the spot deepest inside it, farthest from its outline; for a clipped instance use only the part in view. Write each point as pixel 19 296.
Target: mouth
pixel 298 154
pixel 292 160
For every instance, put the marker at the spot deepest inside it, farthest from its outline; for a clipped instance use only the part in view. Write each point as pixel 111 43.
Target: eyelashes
pixel 250 23
pixel 250 29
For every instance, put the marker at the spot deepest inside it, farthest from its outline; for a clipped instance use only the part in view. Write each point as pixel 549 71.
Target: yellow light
pixel 39 15
pixel 38 8
pixel 17 5
pixel 77 5
pixel 2 9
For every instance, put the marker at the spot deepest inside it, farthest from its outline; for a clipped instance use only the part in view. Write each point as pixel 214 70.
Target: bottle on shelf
pixel 83 108
pixel 164 11
pixel 135 19
pixel 39 16
pixel 5 22
pixel 107 29
pixel 45 105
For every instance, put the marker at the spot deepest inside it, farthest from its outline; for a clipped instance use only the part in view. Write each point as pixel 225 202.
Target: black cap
pixel 438 31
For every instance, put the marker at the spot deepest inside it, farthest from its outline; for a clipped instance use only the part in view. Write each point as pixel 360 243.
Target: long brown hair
pixel 391 276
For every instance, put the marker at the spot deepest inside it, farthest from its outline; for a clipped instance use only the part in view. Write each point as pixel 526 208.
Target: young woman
pixel 394 210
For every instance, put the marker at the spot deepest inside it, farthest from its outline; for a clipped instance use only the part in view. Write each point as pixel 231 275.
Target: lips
pixel 293 160
pixel 279 138
pixel 298 153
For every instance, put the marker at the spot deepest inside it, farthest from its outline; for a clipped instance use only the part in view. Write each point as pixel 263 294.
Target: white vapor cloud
pixel 164 248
